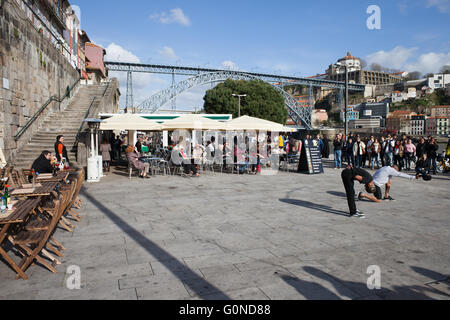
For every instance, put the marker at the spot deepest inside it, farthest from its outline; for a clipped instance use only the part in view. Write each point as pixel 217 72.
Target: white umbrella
pixel 129 121
pixel 251 123
pixel 194 122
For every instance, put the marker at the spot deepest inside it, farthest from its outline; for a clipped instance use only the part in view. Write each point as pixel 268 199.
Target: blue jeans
pixel 388 159
pixel 358 161
pixel 375 159
pixel 337 158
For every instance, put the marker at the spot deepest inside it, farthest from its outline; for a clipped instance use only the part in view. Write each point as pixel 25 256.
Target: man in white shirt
pixel 383 177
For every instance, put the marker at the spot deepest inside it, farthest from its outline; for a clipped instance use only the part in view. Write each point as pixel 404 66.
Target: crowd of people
pixel 371 152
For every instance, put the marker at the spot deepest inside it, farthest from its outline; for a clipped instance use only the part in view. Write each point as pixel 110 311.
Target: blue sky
pixel 286 36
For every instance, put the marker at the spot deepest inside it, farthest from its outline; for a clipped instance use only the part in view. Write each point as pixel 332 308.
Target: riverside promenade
pixel 224 236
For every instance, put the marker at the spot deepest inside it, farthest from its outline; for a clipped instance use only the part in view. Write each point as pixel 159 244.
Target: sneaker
pixel 389 198
pixel 358 214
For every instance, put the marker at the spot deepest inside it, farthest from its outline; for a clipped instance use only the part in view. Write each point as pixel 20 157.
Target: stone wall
pixel 32 70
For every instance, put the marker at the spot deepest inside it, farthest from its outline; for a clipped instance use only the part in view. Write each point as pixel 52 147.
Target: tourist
pixel 359 149
pixel 105 149
pixel 382 146
pixel 375 154
pixel 431 150
pixel 369 150
pixel 60 150
pixel 319 139
pixel 447 150
pixel 43 164
pixel 388 147
pixel 383 177
pixel 398 154
pixel 422 166
pixel 139 145
pixel 133 157
pixel 350 175
pixel 326 148
pixel 189 168
pixel 349 152
pixel 116 148
pixel 421 148
pixel 410 153
pixel 338 146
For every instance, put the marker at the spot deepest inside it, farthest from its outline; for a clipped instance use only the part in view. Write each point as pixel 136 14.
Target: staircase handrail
pixel 43 107
pixel 87 115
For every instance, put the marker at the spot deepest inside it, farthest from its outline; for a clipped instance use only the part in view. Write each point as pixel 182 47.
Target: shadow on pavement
pixel 337 194
pixel 310 290
pixel 414 292
pixel 163 256
pixel 314 206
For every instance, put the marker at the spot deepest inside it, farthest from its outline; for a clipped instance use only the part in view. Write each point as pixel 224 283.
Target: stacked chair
pixel 35 239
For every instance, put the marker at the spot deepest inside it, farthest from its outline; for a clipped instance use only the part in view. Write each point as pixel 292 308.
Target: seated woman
pixel 133 157
pixel 188 167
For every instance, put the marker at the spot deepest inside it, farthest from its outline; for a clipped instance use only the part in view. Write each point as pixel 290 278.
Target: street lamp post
pixel 346 97
pixel 239 96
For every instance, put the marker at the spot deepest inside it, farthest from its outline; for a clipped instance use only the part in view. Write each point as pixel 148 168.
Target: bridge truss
pixel 300 114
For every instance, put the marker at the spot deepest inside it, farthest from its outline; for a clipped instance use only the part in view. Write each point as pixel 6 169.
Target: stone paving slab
pixel 227 236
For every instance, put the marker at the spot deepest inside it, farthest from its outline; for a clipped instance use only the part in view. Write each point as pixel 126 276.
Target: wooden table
pixel 23 210
pixel 60 176
pixel 45 189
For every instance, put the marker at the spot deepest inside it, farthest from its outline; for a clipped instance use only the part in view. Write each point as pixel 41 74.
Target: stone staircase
pixel 64 123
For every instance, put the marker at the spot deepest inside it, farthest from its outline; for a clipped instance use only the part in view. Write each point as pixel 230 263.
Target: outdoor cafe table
pixel 21 211
pixel 60 176
pixel 41 189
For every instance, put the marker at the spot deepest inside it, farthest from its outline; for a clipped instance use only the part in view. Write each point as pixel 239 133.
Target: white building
pixel 353 64
pixel 438 81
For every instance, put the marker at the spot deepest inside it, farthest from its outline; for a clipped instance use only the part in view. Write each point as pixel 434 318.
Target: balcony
pixel 57 13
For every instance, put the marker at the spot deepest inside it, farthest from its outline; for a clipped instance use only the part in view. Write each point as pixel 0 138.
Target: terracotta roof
pixel 441 107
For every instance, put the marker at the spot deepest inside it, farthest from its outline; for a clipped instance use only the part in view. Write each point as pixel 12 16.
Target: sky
pixel 289 37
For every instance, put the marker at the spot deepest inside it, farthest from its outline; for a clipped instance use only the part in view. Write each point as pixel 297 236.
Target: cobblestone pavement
pixel 224 236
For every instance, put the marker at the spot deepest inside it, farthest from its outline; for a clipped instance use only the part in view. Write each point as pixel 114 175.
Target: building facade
pixel 95 65
pixel 440 111
pixel 443 126
pixel 418 125
pixel 430 126
pixel 438 81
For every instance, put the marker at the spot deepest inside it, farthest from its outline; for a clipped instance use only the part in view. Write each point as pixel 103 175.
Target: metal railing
pixel 42 108
pixel 87 115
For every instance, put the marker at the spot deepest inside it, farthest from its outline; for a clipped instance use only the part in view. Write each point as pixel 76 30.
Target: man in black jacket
pixel 431 150
pixel 420 148
pixel 43 163
pixel 350 175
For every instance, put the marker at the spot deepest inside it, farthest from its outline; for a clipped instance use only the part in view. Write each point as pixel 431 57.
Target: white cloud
pixel 442 5
pixel 229 65
pixel 168 53
pixel 175 16
pixel 144 84
pixel 429 62
pixel 404 59
pixel 115 52
pixel 396 58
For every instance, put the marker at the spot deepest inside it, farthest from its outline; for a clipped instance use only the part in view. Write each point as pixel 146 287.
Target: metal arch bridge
pixel 301 115
pixel 298 113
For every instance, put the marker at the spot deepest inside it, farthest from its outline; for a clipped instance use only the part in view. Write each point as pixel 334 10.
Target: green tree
pixel 262 101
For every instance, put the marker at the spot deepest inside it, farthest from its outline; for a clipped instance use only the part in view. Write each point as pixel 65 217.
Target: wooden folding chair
pixel 27 173
pixel 15 179
pixel 32 243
